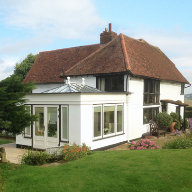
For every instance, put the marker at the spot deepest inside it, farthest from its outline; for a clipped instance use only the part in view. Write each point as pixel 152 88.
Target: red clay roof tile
pixel 122 54
pixel 127 54
pixel 49 64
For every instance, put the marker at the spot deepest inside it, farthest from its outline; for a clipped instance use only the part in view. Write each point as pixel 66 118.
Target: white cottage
pixel 128 82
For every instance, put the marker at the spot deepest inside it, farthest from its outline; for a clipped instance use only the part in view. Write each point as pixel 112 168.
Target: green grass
pixel 134 171
pixel 5 141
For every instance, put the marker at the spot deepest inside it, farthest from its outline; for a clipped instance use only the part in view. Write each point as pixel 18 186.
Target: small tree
pixel 164 120
pixel 13 113
pixel 21 69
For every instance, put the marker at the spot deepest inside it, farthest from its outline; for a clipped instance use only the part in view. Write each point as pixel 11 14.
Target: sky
pixel 34 26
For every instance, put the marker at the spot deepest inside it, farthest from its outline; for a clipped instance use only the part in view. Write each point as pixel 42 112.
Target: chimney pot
pixel 106 29
pixel 109 26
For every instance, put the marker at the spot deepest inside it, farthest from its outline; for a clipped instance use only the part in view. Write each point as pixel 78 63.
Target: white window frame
pixel 25 135
pixel 120 132
pixel 64 139
pixel 98 137
pixel 115 121
pixel 103 126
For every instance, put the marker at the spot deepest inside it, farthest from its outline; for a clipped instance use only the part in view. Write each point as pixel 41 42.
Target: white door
pixel 46 130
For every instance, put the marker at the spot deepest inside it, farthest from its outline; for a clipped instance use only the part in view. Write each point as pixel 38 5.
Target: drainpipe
pixel 184 117
pixel 127 107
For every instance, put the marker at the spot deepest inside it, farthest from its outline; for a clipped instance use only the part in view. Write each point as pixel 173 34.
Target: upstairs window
pixel 151 92
pixel 111 83
pixel 182 88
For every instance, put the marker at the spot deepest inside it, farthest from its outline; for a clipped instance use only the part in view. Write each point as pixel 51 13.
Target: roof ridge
pixel 69 48
pixel 92 54
pixel 128 67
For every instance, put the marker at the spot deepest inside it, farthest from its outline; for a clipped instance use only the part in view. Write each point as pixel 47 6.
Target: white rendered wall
pixel 80 115
pixel 136 126
pixel 75 124
pixel 171 90
pixel 23 141
pixel 89 80
pixel 168 90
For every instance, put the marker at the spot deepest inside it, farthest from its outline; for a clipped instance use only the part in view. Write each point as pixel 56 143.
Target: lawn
pixel 134 171
pixel 5 141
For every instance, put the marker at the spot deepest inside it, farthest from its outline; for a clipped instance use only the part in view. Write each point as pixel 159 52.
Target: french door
pixel 46 129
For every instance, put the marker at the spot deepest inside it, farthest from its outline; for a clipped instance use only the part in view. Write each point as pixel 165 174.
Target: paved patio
pixel 13 154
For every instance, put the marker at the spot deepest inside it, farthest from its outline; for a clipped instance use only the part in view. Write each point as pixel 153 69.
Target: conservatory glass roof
pixel 74 88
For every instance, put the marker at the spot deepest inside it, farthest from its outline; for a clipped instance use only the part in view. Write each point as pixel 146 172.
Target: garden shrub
pixel 69 153
pixel 35 157
pixel 179 143
pixel 74 152
pixel 143 144
pixel 175 117
pixel 164 119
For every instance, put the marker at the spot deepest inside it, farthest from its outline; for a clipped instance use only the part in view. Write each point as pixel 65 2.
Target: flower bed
pixel 143 145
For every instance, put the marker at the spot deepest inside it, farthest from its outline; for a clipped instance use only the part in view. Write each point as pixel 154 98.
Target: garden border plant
pixel 143 144
pixel 68 153
pixel 179 142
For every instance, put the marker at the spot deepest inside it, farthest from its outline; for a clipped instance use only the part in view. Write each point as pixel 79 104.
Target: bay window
pixel 108 120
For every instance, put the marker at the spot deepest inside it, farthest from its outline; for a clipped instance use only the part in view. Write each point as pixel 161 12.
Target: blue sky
pixel 41 25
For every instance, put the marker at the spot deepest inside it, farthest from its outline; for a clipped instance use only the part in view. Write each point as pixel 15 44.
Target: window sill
pixel 151 104
pixel 106 137
pixel 64 141
pixel 27 137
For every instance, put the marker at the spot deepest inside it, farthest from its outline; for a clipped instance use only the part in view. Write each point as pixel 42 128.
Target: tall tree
pixel 13 113
pixel 21 69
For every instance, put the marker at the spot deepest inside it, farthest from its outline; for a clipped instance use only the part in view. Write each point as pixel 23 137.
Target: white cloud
pixel 56 18
pixel 7 67
pixel 1 61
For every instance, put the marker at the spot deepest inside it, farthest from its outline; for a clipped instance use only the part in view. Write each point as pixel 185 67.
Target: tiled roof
pixel 121 55
pixel 127 54
pixel 49 65
pixel 74 88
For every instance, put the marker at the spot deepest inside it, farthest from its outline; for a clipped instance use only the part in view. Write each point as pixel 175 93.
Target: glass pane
pixel 52 121
pixel 65 122
pixel 157 99
pixel 119 118
pixel 146 99
pixel 117 83
pixel 97 121
pixel 152 90
pixel 108 119
pixel 39 125
pixel 107 84
pixel 145 115
pixel 150 114
pixel 101 84
pixel 28 129
pixel 157 86
pixel 151 99
pixel 146 86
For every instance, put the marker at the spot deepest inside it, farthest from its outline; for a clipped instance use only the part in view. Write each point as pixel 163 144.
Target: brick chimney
pixel 107 36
